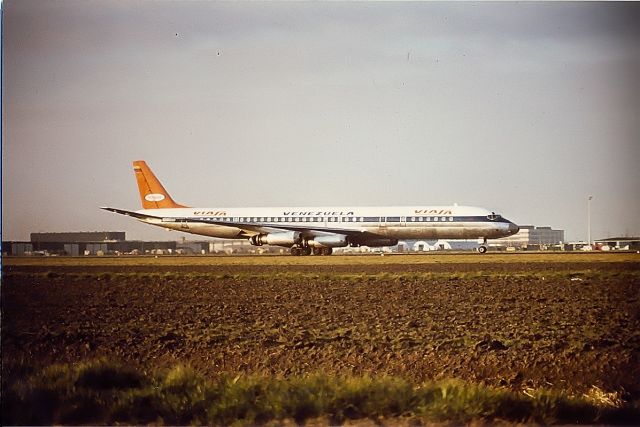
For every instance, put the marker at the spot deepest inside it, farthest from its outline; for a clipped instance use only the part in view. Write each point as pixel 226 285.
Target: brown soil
pixel 517 332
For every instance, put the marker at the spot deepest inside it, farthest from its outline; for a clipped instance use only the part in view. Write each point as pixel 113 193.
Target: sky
pixel 522 108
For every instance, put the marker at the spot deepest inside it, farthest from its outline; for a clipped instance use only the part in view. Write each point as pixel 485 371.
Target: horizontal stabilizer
pixel 136 215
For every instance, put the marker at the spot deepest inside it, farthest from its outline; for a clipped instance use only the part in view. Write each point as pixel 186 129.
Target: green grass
pixel 359 260
pixel 103 392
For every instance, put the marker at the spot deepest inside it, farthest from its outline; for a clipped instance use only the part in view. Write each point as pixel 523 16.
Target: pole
pixel 589 219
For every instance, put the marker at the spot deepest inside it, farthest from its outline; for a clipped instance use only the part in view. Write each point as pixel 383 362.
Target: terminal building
pixel 531 237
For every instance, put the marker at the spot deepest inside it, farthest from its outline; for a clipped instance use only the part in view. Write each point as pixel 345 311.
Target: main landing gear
pixel 483 247
pixel 306 250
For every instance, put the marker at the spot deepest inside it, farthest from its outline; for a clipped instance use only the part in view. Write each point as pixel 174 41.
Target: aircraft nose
pixel 513 229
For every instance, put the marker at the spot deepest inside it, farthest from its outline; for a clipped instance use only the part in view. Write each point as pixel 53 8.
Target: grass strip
pixel 104 392
pixel 434 257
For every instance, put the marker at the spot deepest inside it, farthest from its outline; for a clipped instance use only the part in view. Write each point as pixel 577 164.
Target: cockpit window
pixel 493 217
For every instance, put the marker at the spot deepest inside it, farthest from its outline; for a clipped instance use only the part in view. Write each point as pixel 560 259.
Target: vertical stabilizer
pixel 152 193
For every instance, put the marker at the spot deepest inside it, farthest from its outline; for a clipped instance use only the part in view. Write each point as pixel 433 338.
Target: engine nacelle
pixel 286 238
pixel 376 243
pixel 328 241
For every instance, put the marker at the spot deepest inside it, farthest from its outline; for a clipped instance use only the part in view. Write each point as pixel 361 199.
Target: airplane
pixel 315 230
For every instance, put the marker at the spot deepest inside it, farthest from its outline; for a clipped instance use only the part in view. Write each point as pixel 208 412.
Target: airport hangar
pixel 84 243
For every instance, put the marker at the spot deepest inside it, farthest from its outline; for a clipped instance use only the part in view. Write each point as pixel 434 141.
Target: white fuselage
pixel 396 222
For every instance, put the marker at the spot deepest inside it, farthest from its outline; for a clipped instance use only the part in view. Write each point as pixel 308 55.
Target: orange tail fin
pixel 152 193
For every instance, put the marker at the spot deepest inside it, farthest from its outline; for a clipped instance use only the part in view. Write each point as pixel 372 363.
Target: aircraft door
pixel 383 222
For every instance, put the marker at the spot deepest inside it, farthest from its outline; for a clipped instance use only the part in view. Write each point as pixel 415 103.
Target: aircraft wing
pixel 308 230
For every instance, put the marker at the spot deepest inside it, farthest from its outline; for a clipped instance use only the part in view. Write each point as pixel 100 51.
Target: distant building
pixel 218 246
pixel 438 245
pixel 85 243
pixel 530 236
pixel 619 244
pixel 79 236
pixel 17 248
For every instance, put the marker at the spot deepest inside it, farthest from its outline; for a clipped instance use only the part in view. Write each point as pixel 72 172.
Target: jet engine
pixel 286 238
pixel 328 241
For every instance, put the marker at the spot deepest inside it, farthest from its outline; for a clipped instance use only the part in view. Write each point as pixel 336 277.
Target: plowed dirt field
pixel 565 322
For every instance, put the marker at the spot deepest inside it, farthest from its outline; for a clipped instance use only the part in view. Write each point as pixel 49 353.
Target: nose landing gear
pixel 483 246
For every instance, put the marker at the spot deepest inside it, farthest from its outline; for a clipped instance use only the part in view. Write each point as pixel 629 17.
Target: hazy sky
pixel 522 108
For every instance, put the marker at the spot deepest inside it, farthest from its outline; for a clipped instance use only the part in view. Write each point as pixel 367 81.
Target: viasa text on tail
pixel 315 230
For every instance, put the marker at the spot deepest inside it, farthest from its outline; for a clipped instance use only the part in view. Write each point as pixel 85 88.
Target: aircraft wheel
pixel 317 251
pixel 295 251
pixel 327 251
pixel 482 249
pixel 305 251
